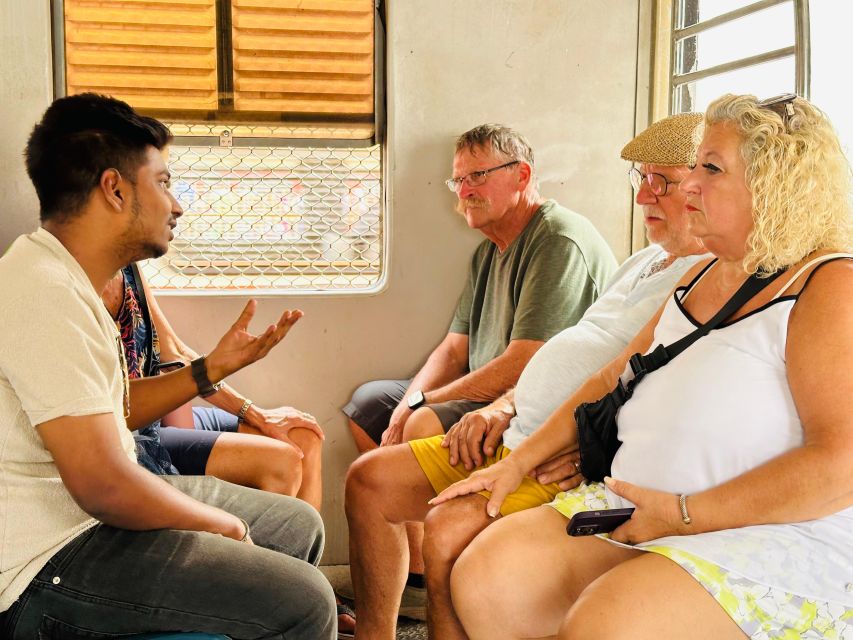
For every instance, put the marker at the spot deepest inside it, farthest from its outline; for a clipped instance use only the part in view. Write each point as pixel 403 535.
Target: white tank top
pixel 718 410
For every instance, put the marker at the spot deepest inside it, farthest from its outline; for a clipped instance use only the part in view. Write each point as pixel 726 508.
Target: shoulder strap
pixel 697 279
pixel 146 316
pixel 662 354
pixel 819 260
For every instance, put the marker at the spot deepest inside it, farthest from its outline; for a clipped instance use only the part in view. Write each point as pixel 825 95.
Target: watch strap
pixel 198 368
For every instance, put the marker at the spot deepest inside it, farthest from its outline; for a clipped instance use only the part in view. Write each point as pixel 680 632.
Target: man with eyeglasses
pixel 538 269
pixel 536 272
pixel 392 486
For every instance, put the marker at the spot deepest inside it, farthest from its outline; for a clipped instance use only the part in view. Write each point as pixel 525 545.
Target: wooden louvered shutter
pixel 306 64
pixel 154 54
pixel 304 58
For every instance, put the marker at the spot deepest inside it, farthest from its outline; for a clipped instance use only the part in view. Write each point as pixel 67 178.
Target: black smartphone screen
pixel 589 523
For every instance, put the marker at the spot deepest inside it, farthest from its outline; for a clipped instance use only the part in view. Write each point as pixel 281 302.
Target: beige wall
pixel 26 88
pixel 561 71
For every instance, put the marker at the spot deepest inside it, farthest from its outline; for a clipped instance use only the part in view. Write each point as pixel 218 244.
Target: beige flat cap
pixel 668 142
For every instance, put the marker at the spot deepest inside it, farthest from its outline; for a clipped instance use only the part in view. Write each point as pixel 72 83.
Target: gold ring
pixel 577 467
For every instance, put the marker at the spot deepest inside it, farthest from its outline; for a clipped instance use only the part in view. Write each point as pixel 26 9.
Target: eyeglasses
pixel 658 184
pixel 782 105
pixel 475 178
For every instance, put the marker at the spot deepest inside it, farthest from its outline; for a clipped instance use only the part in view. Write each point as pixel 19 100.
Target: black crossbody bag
pixel 598 437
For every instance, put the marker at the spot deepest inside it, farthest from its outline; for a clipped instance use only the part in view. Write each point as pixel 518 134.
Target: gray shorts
pixel 373 403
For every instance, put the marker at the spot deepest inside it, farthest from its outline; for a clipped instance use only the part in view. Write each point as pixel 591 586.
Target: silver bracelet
pixel 241 414
pixel 682 503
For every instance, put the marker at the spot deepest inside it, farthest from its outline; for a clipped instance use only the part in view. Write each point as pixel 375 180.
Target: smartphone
pixel 589 523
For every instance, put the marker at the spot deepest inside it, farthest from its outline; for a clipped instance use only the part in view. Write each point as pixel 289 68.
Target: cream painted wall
pixel 26 88
pixel 561 71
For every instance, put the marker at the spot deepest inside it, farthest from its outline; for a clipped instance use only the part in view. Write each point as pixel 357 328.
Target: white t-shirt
pixel 58 357
pixel 566 361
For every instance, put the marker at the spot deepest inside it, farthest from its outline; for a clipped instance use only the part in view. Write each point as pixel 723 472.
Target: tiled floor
pixel 406 629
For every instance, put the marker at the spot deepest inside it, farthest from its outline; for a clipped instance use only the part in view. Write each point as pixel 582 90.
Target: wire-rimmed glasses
pixel 475 178
pixel 658 184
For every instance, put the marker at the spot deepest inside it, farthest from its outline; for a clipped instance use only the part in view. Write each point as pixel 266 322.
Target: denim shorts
pixel 190 449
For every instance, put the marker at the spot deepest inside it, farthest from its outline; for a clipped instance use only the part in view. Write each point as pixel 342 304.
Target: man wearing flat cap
pixel 392 486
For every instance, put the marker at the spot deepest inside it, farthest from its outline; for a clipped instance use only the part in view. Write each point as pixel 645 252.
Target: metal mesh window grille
pixel 273 218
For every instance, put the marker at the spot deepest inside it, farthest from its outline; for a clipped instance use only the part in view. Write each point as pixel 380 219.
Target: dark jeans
pixel 110 582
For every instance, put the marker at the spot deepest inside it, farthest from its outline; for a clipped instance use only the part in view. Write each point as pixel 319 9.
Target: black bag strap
pixel 146 316
pixel 644 364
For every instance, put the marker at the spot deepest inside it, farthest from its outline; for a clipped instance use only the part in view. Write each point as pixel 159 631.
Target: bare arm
pixel 811 481
pixel 492 379
pixel 445 377
pixel 171 346
pixel 112 488
pixel 448 361
pixel 151 398
pixel 275 423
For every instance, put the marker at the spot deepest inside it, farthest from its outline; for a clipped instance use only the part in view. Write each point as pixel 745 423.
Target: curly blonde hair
pixel 799 178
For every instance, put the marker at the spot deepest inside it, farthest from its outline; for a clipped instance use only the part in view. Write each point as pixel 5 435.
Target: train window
pixel 736 46
pixel 831 51
pixel 276 111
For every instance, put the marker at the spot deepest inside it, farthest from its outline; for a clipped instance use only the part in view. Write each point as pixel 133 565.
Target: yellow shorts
pixel 435 462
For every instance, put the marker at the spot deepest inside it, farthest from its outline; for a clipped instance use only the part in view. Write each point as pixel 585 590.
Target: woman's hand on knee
pixel 500 480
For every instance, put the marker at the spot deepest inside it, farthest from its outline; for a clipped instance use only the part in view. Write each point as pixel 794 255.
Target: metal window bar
pixel 800 49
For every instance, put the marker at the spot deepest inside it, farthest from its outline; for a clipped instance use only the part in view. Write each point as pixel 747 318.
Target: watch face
pixel 416 399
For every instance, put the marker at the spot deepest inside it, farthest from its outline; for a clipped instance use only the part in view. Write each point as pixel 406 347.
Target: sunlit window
pixel 276 112
pixel 831 52
pixel 735 46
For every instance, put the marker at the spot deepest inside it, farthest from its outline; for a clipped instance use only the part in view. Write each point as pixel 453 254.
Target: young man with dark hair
pixel 94 544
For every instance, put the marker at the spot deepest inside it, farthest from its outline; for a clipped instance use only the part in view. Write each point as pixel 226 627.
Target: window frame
pixel 800 49
pixel 57 8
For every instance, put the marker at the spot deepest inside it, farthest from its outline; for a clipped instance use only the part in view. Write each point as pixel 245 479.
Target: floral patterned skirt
pixel 762 612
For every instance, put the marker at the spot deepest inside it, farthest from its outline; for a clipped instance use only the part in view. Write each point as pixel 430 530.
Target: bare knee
pixel 423 423
pixel 363 483
pixel 310 444
pixel 448 528
pixel 282 471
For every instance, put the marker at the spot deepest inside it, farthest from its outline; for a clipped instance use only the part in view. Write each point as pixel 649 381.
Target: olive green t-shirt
pixel 542 283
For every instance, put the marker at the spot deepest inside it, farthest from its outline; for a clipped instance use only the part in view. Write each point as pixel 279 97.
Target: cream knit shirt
pixel 58 357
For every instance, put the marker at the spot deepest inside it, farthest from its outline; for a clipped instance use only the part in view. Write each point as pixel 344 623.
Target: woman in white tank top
pixel 737 454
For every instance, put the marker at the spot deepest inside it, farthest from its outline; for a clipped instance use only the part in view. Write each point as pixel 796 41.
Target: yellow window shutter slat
pixel 103 58
pixel 304 57
pixel 155 54
pixel 343 6
pixel 344 88
pixel 343 24
pixel 305 103
pixel 258 61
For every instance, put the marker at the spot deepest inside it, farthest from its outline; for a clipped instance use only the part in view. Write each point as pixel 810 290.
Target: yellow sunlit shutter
pixel 154 54
pixel 306 59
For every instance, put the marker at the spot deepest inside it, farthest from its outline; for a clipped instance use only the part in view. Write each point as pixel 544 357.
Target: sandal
pixel 346 622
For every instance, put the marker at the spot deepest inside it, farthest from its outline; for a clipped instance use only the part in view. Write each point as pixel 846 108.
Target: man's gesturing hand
pixel 239 348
